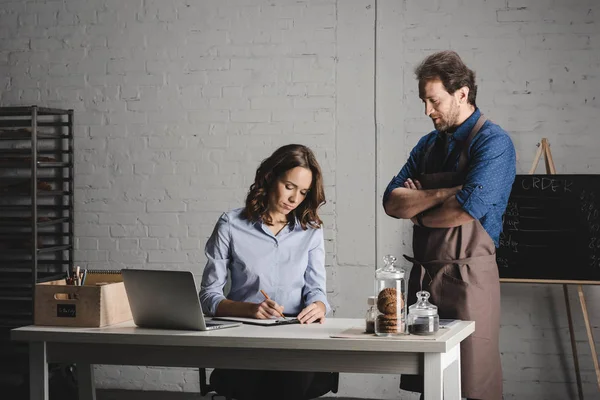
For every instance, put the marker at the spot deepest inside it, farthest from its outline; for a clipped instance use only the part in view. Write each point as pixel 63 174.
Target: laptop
pixel 166 300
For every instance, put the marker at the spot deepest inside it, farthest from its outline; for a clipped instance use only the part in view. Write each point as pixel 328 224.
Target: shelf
pixel 20 240
pixel 6 237
pixel 25 277
pixel 16 316
pixel 40 250
pixel 22 185
pixel 12 152
pixel 23 298
pixel 18 266
pixel 13 358
pixel 48 249
pixel 11 323
pixel 41 193
pixel 27 164
pixel 6 135
pixel 21 347
pixel 5 182
pixel 13 207
pixel 9 353
pixel 15 313
pixel 28 110
pixel 34 142
pixel 15 283
pixel 26 222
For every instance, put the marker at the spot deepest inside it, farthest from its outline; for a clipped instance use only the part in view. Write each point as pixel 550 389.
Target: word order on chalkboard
pixel 551 229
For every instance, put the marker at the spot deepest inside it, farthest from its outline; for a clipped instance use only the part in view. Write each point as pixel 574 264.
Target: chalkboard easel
pixel 544 149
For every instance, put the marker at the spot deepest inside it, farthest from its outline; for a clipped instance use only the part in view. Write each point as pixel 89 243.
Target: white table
pixel 291 347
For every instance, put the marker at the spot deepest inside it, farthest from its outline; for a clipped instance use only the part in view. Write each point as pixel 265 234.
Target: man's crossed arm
pixel 433 208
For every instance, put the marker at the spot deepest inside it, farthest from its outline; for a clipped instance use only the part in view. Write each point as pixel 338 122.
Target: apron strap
pixel 425 157
pixel 464 157
pixel 423 270
pixel 460 261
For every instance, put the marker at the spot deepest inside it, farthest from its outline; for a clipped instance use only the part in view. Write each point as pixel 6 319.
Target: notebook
pixel 261 322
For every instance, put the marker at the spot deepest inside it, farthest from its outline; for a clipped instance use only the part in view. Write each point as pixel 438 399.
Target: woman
pixel 274 244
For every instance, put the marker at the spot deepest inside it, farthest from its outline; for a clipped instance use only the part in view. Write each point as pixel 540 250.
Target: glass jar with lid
pixel 423 318
pixel 371 315
pixel 390 287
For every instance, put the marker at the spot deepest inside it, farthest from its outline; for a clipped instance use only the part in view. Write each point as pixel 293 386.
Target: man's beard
pixel 448 122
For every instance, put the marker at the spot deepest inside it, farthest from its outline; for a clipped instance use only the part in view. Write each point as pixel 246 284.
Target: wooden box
pixel 101 301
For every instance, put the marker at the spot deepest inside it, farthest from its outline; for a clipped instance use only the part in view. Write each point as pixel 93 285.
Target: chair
pixel 206 388
pixel 314 392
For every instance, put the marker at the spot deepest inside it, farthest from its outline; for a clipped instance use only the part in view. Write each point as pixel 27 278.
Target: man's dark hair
pixel 448 67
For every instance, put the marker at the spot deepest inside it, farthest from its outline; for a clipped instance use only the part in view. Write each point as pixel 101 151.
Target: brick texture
pixel 176 102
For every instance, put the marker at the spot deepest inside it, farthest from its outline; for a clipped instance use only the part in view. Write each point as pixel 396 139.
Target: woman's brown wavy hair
pixel 270 171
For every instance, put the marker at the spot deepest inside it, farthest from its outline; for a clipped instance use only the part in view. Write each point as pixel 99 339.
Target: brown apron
pixel 458 268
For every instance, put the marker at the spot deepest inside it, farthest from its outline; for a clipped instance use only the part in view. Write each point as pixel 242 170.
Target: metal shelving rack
pixel 36 219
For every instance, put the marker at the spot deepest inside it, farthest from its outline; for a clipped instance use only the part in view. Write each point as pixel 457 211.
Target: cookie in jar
pixel 390 288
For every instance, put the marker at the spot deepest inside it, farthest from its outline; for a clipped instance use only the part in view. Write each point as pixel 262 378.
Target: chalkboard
pixel 551 229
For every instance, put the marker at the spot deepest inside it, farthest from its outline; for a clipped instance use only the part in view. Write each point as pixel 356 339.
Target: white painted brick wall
pixel 176 103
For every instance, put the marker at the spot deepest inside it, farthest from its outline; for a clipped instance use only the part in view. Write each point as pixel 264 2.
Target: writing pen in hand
pixel 268 298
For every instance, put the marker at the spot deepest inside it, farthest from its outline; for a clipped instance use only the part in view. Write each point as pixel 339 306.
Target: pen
pixel 268 298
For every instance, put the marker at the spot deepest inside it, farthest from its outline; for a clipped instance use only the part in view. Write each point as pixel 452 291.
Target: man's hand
pixel 448 215
pixel 314 312
pixel 411 199
pixel 416 185
pixel 413 184
pixel 266 310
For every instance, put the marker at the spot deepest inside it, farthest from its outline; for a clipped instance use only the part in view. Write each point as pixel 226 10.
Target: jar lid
pixel 423 308
pixel 372 300
pixel 390 270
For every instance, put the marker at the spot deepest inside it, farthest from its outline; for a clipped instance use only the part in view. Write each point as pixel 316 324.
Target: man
pixel 454 188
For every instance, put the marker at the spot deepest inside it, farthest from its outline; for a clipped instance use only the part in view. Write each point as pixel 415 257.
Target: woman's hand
pixel 314 312
pixel 266 310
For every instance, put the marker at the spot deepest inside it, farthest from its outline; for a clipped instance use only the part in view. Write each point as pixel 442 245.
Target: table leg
pixel 452 389
pixel 434 376
pixel 85 378
pixel 38 371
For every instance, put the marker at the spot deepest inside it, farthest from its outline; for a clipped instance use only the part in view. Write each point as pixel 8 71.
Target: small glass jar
pixel 423 318
pixel 390 287
pixel 371 315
